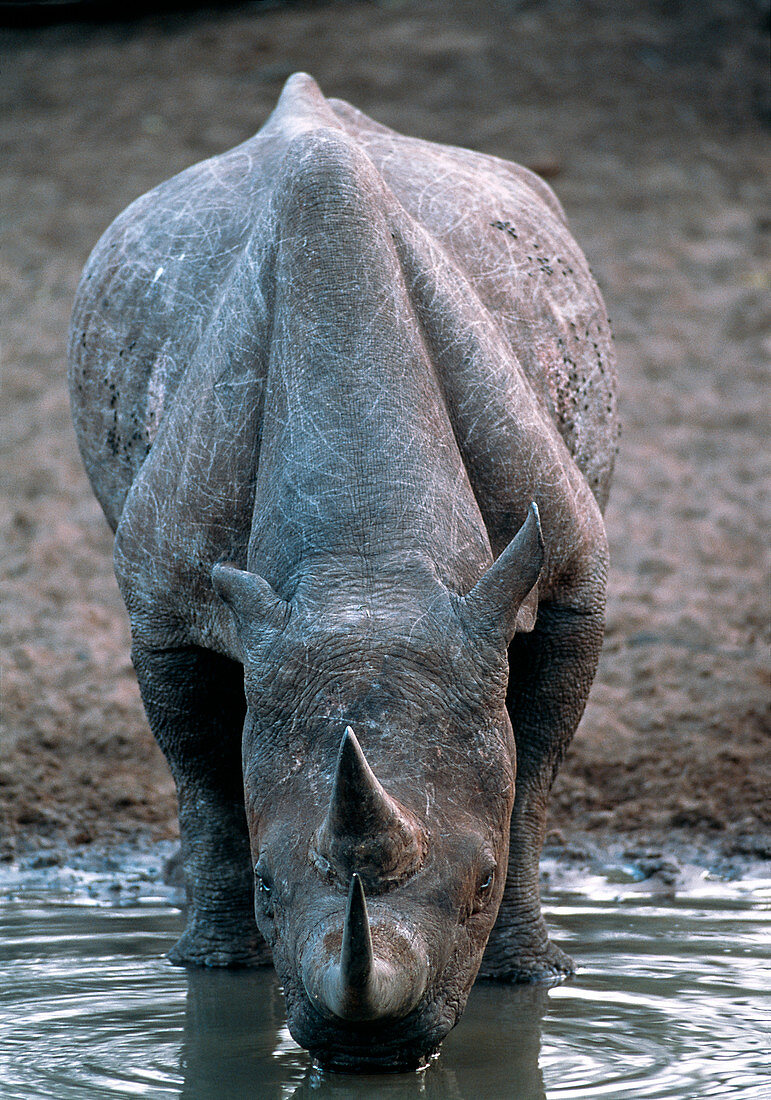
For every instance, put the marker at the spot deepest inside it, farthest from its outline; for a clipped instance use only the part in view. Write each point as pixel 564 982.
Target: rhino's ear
pixel 249 596
pixel 505 600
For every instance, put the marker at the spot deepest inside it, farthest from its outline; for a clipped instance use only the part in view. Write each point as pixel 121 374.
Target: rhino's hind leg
pixel 551 671
pixel 195 705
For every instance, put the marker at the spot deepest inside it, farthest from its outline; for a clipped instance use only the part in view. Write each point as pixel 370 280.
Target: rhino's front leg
pixel 195 704
pixel 551 671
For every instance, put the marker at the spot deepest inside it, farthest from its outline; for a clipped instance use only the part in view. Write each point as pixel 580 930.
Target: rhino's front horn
pixel 362 986
pixel 365 830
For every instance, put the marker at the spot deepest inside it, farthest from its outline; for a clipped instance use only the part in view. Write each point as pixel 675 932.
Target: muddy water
pixel 673 999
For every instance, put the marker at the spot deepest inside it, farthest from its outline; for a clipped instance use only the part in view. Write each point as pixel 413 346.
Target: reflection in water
pixel 503 1036
pixel 672 1002
pixel 236 1046
pixel 232 1041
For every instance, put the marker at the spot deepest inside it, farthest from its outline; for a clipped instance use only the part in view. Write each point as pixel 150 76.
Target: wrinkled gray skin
pixel 343 363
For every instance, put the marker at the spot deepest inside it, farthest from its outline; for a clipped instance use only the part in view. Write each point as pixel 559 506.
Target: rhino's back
pixel 165 296
pixel 503 230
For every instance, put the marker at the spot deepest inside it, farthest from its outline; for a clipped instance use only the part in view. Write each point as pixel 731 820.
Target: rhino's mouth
pixel 375 1060
pixel 382 1046
pixel 376 1049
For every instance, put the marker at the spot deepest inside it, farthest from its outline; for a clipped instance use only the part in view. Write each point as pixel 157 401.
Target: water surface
pixel 673 999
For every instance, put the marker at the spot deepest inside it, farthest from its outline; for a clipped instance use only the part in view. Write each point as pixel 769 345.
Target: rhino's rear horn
pixel 362 986
pixel 365 830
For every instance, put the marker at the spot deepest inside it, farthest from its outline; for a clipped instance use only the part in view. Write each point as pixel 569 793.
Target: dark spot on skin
pixel 507 227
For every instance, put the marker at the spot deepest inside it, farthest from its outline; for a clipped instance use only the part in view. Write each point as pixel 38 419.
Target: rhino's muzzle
pixel 365 984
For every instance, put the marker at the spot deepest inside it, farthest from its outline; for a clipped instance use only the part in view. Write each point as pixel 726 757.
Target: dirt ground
pixel 650 119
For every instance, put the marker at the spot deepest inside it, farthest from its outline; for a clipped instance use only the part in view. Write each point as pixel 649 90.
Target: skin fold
pixel 347 401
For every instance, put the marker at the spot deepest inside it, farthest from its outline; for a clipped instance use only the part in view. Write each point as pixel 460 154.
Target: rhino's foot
pixel 197 947
pixel 512 960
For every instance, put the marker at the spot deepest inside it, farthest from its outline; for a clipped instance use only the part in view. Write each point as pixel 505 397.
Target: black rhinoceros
pixel 325 385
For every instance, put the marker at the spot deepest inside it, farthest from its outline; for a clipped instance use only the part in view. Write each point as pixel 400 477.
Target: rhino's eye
pixel 263 902
pixel 262 878
pixel 484 888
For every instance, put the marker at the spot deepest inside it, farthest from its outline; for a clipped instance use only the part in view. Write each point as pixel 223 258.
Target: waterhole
pixel 672 999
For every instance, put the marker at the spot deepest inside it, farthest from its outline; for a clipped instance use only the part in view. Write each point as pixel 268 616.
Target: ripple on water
pixel 672 1001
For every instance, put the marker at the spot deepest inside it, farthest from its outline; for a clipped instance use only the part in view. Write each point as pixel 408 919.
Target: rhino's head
pixel 379 783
